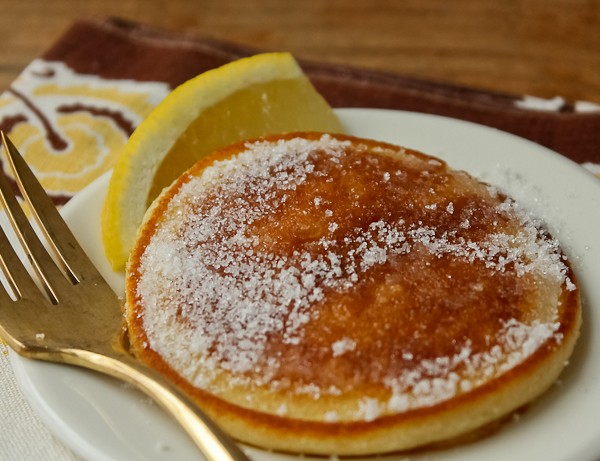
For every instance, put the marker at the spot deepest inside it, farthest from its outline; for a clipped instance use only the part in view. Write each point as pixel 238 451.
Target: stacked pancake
pixel 328 294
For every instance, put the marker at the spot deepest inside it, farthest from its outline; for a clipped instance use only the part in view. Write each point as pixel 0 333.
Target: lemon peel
pixel 262 94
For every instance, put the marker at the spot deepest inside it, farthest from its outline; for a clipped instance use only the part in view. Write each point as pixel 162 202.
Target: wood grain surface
pixel 538 47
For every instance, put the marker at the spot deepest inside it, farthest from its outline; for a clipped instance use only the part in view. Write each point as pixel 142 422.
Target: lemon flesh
pixel 251 97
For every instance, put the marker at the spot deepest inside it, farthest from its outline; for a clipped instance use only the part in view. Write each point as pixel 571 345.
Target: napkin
pixel 72 110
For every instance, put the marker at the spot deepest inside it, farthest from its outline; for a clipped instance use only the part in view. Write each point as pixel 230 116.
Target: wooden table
pixel 538 47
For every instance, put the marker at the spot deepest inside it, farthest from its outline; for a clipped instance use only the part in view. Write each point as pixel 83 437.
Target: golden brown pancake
pixel 328 294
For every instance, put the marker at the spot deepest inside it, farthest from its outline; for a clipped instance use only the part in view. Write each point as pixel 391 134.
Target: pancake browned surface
pixel 329 294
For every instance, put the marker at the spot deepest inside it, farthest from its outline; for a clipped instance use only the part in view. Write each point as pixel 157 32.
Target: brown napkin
pixel 121 49
pixel 116 70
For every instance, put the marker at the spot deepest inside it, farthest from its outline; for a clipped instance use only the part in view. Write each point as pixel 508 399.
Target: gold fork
pixel 75 317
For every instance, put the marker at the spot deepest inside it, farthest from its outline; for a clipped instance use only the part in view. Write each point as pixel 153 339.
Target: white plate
pixel 102 419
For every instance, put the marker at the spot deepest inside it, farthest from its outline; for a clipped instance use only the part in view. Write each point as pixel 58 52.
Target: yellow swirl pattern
pixel 70 127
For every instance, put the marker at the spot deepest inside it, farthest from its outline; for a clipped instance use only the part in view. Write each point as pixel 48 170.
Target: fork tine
pixel 16 326
pixel 70 256
pixel 18 279
pixel 51 278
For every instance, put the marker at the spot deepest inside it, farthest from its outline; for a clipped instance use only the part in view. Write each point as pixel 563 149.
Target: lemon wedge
pixel 263 94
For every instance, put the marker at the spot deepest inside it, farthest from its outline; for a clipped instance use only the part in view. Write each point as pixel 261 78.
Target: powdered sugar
pixel 369 408
pixel 433 381
pixel 208 281
pixel 240 294
pixel 342 346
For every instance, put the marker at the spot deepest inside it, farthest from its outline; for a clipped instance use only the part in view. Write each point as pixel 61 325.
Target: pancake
pixel 328 294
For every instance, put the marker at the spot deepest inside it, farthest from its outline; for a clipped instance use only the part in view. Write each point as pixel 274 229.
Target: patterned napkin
pixel 71 111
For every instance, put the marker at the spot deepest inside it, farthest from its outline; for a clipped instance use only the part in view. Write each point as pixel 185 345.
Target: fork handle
pixel 210 439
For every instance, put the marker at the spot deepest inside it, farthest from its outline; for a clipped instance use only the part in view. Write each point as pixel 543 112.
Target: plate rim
pixel 91 451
